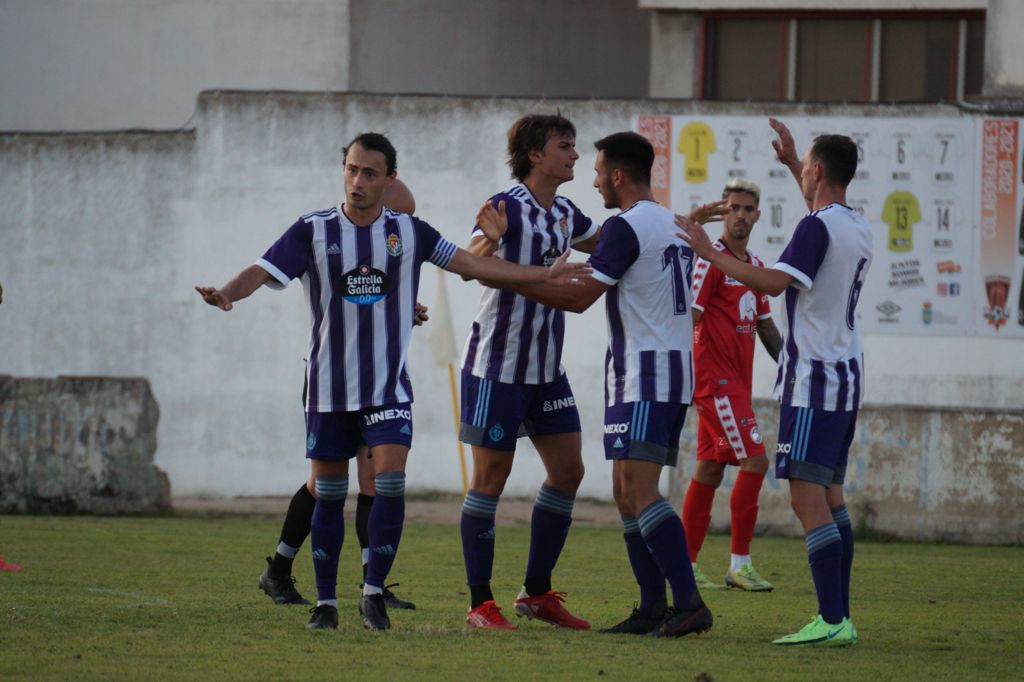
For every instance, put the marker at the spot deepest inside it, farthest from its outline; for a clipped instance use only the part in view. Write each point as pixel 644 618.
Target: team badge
pixel 496 433
pixel 755 435
pixel 394 245
pixel 311 441
pixel 563 224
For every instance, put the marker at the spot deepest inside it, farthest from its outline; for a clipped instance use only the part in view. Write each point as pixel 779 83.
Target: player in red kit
pixel 726 317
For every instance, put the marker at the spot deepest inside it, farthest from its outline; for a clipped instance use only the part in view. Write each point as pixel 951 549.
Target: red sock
pixel 697 515
pixel 743 505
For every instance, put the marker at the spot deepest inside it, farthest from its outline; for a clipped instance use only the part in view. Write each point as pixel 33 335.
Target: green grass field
pixel 176 597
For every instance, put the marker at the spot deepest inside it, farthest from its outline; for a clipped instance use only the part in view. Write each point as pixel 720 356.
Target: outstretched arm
pixel 243 284
pixel 770 337
pixel 501 272
pixel 785 150
pixel 769 280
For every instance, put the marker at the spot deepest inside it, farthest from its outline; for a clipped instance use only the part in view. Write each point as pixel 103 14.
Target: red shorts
pixel 727 431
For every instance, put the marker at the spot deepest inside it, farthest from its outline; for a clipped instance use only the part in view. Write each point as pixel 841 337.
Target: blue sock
pixel 327 532
pixel 477 526
pixel 387 516
pixel 645 569
pixel 842 518
pixel 665 538
pixel 825 554
pixel 549 526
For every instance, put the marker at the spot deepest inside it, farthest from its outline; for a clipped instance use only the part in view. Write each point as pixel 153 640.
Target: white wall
pixel 1004 52
pixel 115 64
pixel 102 238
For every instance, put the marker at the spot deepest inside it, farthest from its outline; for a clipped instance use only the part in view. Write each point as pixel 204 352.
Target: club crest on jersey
pixel 311 441
pixel 563 225
pixel 364 285
pixel 496 433
pixel 755 435
pixel 394 245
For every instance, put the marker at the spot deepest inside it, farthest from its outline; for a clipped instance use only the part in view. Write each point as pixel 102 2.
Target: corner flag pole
pixel 455 409
pixel 441 338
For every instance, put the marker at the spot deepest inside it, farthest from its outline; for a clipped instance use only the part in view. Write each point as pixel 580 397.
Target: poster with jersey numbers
pixel 919 183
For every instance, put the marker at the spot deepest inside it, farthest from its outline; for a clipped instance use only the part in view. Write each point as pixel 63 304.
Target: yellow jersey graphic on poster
pixel 696 144
pixel 900 211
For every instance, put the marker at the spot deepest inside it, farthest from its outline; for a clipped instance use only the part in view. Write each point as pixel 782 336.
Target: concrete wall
pixel 76 65
pixel 104 236
pixel 1004 52
pixel 914 473
pixel 532 48
pixel 116 64
pixel 79 445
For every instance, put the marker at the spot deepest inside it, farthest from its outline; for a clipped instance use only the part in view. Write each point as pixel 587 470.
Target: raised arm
pixel 503 273
pixel 769 280
pixel 243 284
pixel 785 150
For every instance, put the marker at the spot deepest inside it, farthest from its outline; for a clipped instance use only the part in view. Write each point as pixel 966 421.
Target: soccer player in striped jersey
pixel 277 581
pixel 513 382
pixel 820 382
pixel 360 265
pixel 646 271
pixel 726 316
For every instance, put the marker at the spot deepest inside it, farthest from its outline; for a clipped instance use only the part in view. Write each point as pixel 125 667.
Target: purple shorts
pixel 814 444
pixel 644 430
pixel 494 414
pixel 337 435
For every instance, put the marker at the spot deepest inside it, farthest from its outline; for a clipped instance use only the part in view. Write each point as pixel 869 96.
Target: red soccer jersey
pixel 723 341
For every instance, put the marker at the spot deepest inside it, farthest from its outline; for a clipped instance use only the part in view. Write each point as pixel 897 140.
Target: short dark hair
pixel 838 156
pixel 529 134
pixel 375 142
pixel 630 152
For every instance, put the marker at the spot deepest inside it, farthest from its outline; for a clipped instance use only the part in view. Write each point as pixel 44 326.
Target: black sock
pixel 478 594
pixel 295 530
pixel 537 585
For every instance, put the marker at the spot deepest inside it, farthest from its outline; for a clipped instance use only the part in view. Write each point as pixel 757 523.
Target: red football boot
pixel 548 608
pixel 488 616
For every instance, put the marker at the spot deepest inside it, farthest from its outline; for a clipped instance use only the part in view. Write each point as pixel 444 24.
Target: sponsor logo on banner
pixel 997 290
pixel 947 267
pixel 926 313
pixel 905 274
pixel 947 288
pixel 890 311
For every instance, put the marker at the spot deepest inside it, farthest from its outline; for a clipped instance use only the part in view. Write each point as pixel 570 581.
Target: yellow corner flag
pixel 441 337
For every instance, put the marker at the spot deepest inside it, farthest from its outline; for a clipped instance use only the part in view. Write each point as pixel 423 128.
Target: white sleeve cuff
pixel 802 280
pixel 603 278
pixel 280 280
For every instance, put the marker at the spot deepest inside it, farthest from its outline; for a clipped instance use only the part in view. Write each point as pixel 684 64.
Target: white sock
pixel 738 561
pixel 365 553
pixel 287 550
pixel 369 589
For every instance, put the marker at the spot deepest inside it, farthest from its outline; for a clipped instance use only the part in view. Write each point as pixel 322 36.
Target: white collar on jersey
pixel 345 220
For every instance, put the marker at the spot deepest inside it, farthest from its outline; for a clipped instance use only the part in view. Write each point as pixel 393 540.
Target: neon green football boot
pixel 747 578
pixel 820 633
pixel 702 580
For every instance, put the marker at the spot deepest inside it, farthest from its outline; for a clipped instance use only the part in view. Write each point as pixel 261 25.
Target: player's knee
pixel 756 465
pixel 569 478
pixel 490 480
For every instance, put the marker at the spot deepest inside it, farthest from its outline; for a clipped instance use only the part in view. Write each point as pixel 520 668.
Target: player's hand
pixel 214 297
pixel 694 235
pixel 492 223
pixel 420 315
pixel 563 272
pixel 709 213
pixel 785 145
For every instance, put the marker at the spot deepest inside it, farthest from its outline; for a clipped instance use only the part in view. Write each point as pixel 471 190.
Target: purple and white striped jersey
pixel 514 340
pixel 822 362
pixel 361 285
pixel 650 331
